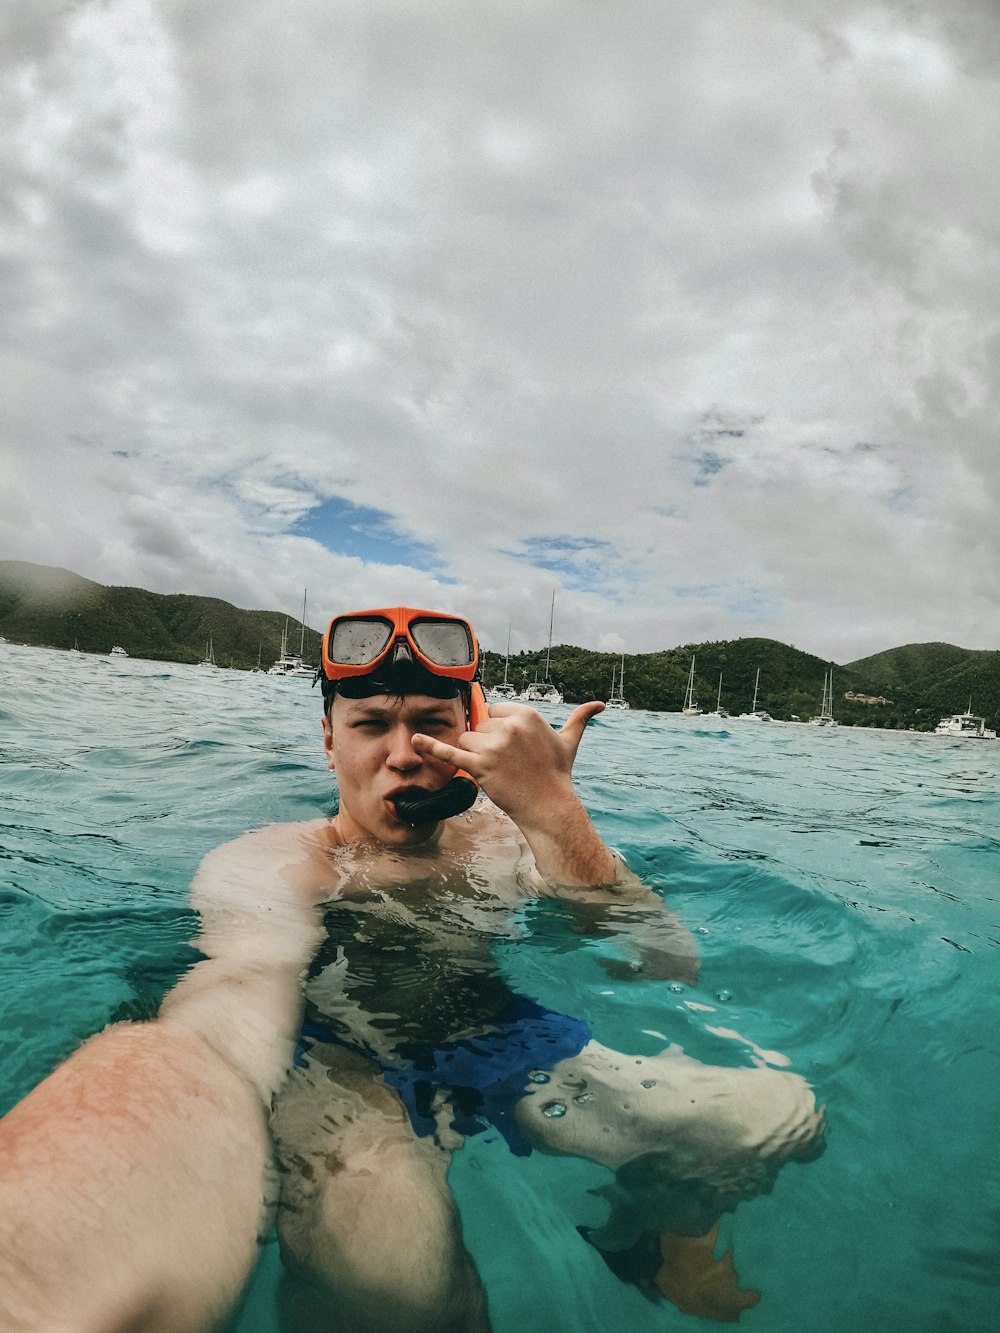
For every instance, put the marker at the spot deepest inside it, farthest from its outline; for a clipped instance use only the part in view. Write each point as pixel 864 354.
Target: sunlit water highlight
pixel 843 887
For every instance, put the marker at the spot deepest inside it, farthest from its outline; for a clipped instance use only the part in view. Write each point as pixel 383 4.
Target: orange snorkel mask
pixel 399 649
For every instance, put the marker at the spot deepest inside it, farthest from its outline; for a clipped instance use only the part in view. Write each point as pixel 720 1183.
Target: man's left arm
pixel 525 767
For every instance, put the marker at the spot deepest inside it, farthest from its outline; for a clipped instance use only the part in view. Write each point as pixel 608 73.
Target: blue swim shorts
pixel 484 1076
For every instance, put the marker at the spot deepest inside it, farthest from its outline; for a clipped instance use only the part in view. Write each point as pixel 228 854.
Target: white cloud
pixel 715 287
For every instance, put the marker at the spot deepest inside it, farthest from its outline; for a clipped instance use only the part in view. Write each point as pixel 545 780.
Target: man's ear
pixel 331 762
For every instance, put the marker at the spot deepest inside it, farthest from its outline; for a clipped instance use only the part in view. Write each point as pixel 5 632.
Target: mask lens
pixel 358 642
pixel 446 643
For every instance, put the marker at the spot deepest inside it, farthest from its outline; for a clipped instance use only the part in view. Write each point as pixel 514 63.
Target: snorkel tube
pixel 456 796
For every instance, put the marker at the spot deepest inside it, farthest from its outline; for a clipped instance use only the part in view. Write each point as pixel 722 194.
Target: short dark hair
pixel 397 679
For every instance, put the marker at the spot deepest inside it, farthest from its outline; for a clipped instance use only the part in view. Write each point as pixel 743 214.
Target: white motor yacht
pixel 966 725
pixel 541 692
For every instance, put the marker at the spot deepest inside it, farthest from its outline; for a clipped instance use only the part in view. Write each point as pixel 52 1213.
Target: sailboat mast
pixel 302 636
pixel 548 651
pixel 506 660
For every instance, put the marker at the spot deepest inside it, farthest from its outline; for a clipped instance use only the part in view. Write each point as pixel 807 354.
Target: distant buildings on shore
pixel 865 698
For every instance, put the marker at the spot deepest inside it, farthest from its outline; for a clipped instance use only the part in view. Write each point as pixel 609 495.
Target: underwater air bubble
pixel 723 996
pixel 554 1110
pixel 582 1097
pixel 538 1076
pixel 649 1083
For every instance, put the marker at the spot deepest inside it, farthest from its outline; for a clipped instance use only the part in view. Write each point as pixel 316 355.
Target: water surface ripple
pixel 842 885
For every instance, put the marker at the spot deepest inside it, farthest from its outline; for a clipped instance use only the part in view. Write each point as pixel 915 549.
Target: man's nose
pixel 401 754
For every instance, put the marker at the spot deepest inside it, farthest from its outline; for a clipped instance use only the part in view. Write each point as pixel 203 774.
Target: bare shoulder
pixel 277 860
pixel 301 836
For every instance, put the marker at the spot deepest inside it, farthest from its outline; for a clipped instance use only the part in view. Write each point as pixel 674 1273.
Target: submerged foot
pixel 682 1269
pixel 691 1278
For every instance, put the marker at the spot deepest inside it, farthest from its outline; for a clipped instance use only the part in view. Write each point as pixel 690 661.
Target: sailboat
pixel 289 663
pixel 756 714
pixel 825 718
pixel 543 691
pixel 718 710
pixel 258 669
pixel 616 699
pixel 209 659
pixel 505 690
pixel 690 708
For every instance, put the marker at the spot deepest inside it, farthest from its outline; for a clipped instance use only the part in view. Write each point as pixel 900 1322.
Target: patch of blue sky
pixel 371 535
pixel 698 590
pixel 582 563
pixel 708 464
pixel 900 498
pixel 755 602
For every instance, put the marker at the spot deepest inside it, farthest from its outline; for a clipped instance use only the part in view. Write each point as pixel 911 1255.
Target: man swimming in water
pixel 137 1170
pixel 413 1038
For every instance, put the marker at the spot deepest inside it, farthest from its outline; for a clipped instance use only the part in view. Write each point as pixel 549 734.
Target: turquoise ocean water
pixel 843 886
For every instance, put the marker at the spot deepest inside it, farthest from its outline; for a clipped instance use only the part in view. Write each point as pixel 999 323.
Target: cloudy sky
pixel 688 312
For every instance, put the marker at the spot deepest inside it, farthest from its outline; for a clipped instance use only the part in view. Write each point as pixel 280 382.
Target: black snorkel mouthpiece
pixel 428 807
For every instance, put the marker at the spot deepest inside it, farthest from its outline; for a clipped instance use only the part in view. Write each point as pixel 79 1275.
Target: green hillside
pixel 929 680
pixel 791 681
pixel 914 661
pixel 54 608
pixel 911 686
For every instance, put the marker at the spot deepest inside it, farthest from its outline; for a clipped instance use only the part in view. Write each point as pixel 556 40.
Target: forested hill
pixel 791 681
pixel 54 608
pixel 919 683
pixel 929 679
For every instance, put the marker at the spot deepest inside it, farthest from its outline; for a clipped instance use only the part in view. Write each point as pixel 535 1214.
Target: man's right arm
pixel 257 899
pixel 133 1178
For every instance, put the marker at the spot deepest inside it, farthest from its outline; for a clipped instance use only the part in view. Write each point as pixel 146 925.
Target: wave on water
pixel 840 888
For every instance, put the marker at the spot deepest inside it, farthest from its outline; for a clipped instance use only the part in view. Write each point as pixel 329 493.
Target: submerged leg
pixel 724 1126
pixel 687 1142
pixel 366 1220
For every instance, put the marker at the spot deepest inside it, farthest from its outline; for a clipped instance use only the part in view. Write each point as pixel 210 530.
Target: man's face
pixel 368 745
